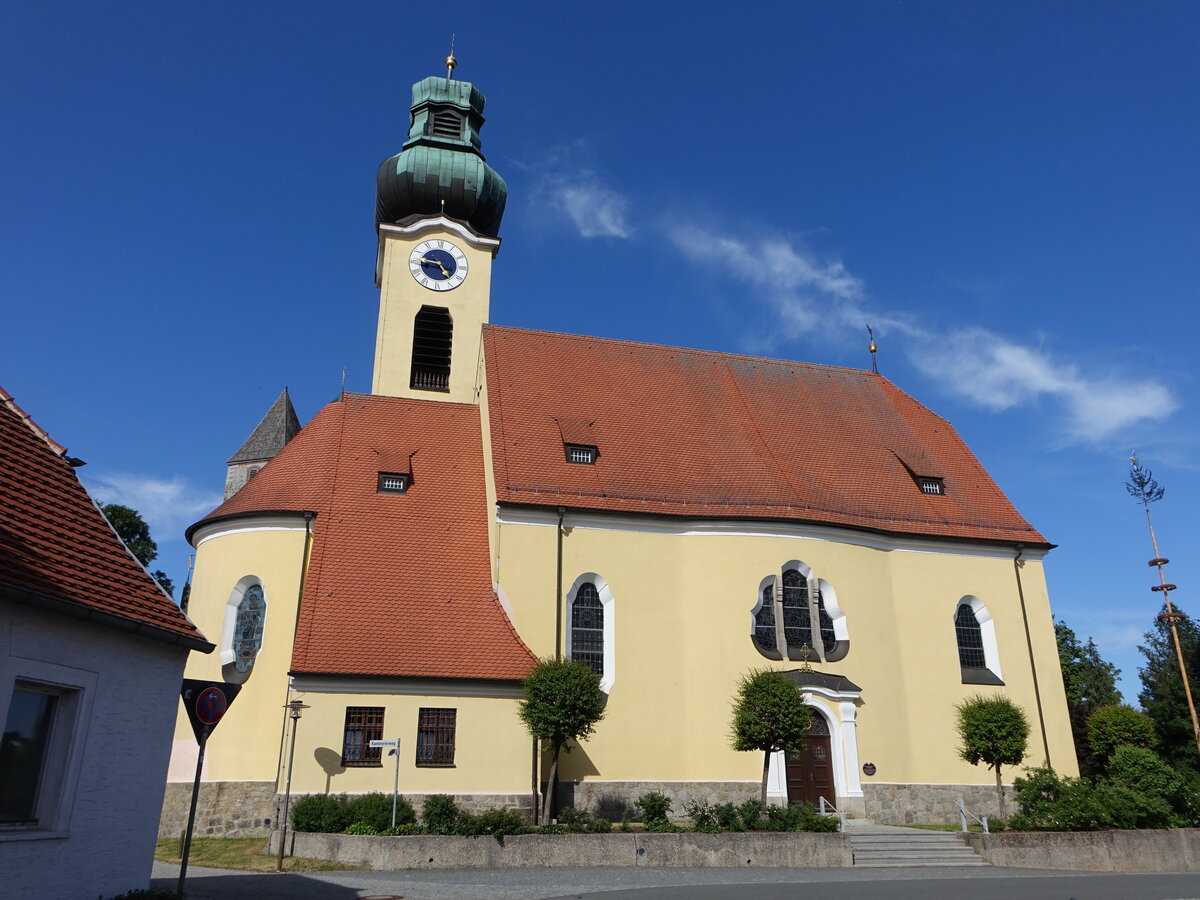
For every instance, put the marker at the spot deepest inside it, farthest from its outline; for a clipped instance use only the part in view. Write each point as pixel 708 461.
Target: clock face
pixel 438 265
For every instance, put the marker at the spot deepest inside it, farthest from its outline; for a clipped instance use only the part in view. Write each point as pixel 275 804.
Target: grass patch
pixel 947 826
pixel 243 854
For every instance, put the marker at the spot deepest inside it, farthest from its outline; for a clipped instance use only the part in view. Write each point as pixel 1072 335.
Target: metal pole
pixel 396 784
pixel 287 794
pixel 187 838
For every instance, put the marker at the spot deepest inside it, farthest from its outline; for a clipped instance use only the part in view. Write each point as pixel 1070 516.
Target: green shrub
pixel 703 817
pixel 664 827
pixel 552 828
pixel 626 825
pixel 376 810
pixel 797 817
pixel 405 829
pixel 574 819
pixel 362 828
pixel 654 807
pixel 329 813
pixel 496 822
pixel 1117 725
pixel 599 825
pixel 728 817
pixel 751 813
pixel 441 814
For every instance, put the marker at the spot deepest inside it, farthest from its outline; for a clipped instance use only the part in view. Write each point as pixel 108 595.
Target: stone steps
pixel 914 848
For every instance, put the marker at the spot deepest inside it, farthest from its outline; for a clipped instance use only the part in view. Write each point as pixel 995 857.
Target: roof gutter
pixel 79 611
pixel 250 514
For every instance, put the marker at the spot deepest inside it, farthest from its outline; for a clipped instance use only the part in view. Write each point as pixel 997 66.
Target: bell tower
pixel 438 211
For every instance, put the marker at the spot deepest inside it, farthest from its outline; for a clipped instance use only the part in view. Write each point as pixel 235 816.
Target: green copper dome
pixel 441 169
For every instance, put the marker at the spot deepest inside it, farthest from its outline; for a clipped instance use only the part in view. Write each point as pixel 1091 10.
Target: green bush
pixel 552 828
pixel 1111 727
pixel 728 817
pixel 703 817
pixel 599 825
pixel 406 829
pixel 496 822
pixel 581 821
pixel 329 813
pixel 362 828
pixel 654 807
pixel 376 810
pixel 797 817
pixel 664 827
pixel 441 814
pixel 751 813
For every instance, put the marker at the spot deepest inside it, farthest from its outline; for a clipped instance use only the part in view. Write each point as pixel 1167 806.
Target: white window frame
pixel 76 690
pixel 608 605
pixel 229 671
pixel 827 593
pixel 987 630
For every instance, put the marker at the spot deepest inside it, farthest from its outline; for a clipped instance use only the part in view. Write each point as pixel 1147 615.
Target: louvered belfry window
pixel 435 736
pixel 587 628
pixel 432 337
pixel 970 639
pixel 363 725
pixel 447 123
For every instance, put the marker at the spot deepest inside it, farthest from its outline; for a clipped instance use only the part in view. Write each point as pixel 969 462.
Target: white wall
pixel 100 836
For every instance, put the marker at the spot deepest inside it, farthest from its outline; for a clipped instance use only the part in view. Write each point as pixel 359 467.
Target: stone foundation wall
pixel 224 809
pixel 929 804
pixel 614 799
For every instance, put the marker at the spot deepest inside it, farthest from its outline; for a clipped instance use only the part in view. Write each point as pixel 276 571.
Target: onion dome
pixel 441 170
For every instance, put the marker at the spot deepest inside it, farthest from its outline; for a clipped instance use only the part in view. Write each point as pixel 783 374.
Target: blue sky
pixel 1006 191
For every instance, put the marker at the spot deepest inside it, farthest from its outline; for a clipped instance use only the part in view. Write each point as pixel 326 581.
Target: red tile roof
pixel 58 550
pixel 398 585
pixel 716 435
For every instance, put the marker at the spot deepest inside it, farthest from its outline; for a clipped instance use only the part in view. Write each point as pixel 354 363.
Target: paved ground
pixel 985 883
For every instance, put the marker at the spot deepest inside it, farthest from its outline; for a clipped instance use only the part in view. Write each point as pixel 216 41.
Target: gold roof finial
pixel 451 62
pixel 873 348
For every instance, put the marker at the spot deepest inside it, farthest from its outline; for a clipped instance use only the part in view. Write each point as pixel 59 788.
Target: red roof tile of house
pixel 702 434
pixel 58 550
pixel 398 584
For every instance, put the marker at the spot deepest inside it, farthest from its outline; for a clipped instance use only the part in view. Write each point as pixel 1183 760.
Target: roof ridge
pixel 7 398
pixel 721 354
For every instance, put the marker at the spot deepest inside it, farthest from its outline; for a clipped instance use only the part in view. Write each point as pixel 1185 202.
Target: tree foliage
pixel 1090 683
pixel 1118 725
pixel 1162 695
pixel 993 731
pixel 769 715
pixel 133 530
pixel 562 703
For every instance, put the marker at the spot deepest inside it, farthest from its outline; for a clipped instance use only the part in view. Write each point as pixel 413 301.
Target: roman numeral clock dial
pixel 438 265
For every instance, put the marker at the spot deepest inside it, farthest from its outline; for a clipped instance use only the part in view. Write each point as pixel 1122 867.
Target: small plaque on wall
pixel 869 769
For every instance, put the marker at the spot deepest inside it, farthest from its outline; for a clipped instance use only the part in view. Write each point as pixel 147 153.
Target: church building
pixel 673 518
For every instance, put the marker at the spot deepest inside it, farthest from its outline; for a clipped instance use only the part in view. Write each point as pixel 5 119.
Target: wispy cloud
pixel 167 505
pixel 997 373
pixel 595 209
pixel 809 294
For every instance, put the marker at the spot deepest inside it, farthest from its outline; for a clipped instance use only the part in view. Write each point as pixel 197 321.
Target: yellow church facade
pixel 674 518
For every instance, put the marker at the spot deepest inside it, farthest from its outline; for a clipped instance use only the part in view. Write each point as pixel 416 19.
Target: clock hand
pixel 434 262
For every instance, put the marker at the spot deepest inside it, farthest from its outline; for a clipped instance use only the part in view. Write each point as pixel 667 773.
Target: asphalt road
pixel 984 883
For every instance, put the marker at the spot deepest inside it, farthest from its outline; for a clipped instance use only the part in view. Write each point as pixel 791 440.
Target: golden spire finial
pixel 873 348
pixel 451 62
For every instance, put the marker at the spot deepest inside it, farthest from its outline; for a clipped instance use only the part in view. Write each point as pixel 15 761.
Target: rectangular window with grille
pixel 363 725
pixel 435 737
pixel 581 453
pixel 392 483
pixel 932 485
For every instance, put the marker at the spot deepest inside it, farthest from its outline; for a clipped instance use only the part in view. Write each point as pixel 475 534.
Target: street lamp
pixel 295 706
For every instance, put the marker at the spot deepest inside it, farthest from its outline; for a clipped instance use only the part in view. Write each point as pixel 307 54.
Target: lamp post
pixel 295 706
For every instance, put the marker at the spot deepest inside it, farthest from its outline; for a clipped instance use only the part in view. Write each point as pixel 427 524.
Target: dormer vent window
pixel 393 483
pixel 581 454
pixel 931 485
pixel 447 123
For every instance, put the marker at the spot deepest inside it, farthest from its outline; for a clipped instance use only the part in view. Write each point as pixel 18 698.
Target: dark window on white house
pixel 24 749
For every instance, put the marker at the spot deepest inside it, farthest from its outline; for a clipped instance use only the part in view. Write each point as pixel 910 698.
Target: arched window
pixel 591 628
pixel 587 628
pixel 248 629
pixel 975 633
pixel 793 600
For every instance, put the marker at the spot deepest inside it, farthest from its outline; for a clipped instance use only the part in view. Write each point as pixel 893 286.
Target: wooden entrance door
pixel 810 772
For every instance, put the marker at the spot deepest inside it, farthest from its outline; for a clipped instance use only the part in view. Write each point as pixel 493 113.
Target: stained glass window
pixel 764 622
pixel 970 639
pixel 797 626
pixel 587 628
pixel 248 629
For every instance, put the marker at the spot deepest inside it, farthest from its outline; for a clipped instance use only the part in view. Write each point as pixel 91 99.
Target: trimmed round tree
pixel 1115 725
pixel 769 715
pixel 994 731
pixel 563 702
